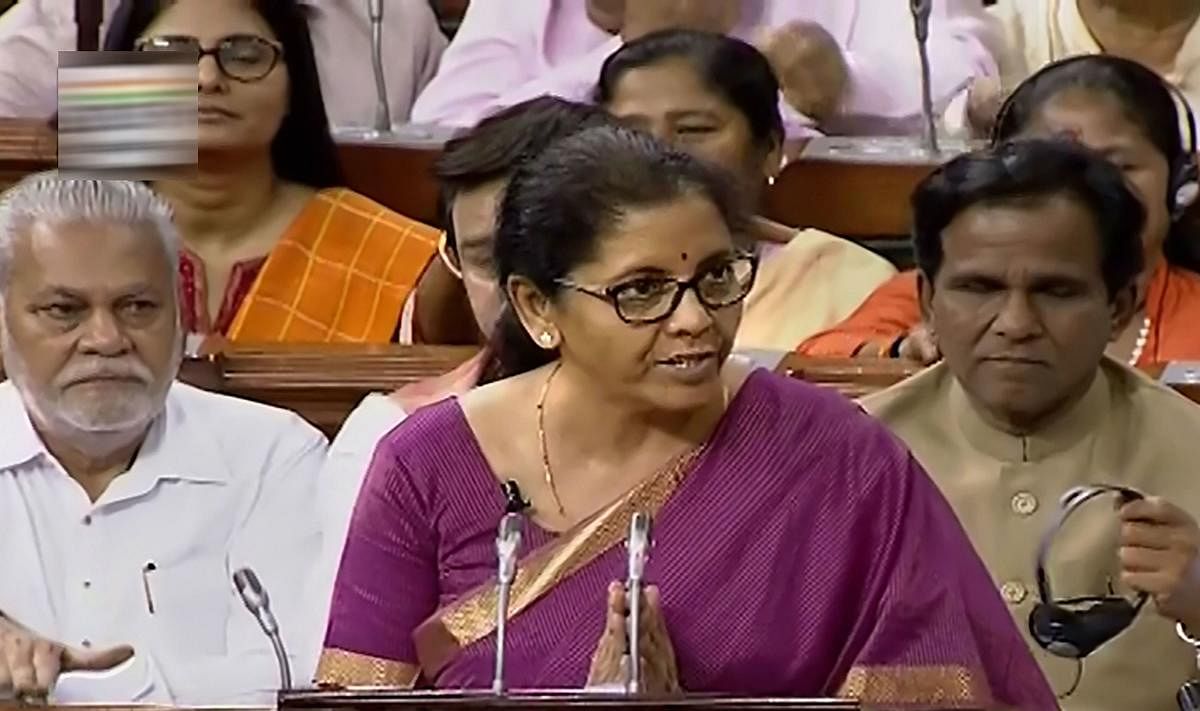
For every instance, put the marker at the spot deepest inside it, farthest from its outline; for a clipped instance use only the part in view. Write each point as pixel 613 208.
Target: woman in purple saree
pixel 799 550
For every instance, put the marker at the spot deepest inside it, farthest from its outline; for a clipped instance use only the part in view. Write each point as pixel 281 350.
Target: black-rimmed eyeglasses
pixel 651 299
pixel 244 58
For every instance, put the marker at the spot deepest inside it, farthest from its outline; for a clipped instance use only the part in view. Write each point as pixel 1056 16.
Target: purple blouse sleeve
pixel 387 583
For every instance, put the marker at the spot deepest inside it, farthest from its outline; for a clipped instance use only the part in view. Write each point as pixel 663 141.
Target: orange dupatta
pixel 341 273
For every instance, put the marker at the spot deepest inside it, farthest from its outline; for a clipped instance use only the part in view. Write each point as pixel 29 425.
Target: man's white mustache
pixel 136 372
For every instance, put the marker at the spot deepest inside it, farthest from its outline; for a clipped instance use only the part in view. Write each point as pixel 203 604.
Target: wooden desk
pixel 558 699
pixel 321 383
pixel 849 199
pixel 25 147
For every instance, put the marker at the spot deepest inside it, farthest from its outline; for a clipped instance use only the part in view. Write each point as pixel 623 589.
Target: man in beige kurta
pixel 1019 285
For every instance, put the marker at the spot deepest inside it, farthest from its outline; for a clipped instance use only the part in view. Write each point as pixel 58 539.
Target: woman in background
pixel 716 97
pixel 1161 35
pixel 275 251
pixel 1123 110
pixel 837 567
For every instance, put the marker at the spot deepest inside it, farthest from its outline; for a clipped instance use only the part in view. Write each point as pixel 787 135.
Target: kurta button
pixel 86 644
pixel 1013 592
pixel 87 520
pixel 1024 503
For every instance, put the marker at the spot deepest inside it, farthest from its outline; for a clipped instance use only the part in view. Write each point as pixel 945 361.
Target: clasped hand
pixel 30 665
pixel 659 674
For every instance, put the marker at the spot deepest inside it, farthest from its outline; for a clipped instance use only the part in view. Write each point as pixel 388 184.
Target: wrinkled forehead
pixel 96 257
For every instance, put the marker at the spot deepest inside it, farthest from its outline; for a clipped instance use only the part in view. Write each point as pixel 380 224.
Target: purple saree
pixel 801 552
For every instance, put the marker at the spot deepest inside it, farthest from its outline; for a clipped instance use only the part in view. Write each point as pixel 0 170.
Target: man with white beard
pixel 128 500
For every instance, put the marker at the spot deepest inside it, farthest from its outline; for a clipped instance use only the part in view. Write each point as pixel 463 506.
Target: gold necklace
pixel 547 472
pixel 541 425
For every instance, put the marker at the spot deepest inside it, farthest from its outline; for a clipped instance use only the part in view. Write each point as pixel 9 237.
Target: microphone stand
pixel 508 540
pixel 254 597
pixel 921 9
pixel 383 111
pixel 639 549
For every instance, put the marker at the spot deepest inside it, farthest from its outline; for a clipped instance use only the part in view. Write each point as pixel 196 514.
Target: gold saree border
pixel 948 686
pixel 339 667
pixel 473 616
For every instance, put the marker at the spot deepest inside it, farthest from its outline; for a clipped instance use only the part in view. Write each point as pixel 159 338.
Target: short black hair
pixel 303 150
pixel 730 67
pixel 558 204
pixel 494 148
pixel 1028 171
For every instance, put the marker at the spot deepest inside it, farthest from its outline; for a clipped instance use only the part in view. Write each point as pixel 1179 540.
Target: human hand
pixel 30 665
pixel 920 345
pixel 1159 546
pixel 984 99
pixel 812 70
pixel 646 16
pixel 659 674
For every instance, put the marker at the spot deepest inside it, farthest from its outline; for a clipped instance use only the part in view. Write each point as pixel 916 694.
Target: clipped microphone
pixel 508 540
pixel 638 545
pixel 921 10
pixel 514 502
pixel 383 111
pixel 254 597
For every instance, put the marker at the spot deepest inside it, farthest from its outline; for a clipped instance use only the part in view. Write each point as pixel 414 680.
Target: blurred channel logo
pixel 128 115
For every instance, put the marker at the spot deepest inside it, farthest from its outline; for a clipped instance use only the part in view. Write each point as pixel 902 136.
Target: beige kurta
pixel 1042 31
pixel 1127 430
pixel 806 286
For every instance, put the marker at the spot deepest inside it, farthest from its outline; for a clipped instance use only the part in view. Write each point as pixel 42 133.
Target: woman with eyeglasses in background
pixel 716 97
pixel 275 250
pixel 798 548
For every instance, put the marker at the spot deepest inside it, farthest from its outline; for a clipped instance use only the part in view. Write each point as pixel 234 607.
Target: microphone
pixel 254 597
pixel 921 10
pixel 639 551
pixel 508 540
pixel 514 501
pixel 383 111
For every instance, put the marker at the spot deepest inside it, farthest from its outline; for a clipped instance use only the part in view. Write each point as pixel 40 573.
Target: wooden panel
pixel 322 383
pixel 558 699
pixel 400 177
pixel 854 378
pixel 25 147
pixel 854 200
pixel 847 199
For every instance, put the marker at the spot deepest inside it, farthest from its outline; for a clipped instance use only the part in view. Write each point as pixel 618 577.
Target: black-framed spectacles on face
pixel 244 58
pixel 651 299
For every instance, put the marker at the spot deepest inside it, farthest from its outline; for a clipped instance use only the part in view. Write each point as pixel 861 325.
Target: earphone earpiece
pixel 1074 634
pixel 1185 197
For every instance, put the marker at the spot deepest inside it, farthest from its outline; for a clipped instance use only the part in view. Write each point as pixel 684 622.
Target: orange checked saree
pixel 341 272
